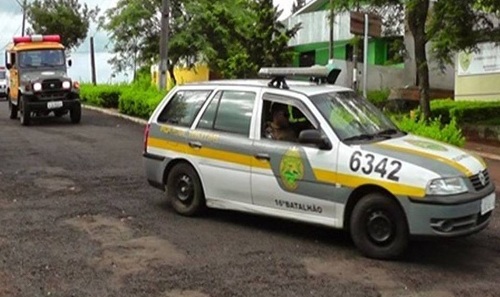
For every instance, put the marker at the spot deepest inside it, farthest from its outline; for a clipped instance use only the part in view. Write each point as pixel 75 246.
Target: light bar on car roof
pixel 37 38
pixel 314 71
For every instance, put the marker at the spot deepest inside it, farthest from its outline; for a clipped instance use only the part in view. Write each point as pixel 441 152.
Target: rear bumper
pixel 3 92
pixel 154 166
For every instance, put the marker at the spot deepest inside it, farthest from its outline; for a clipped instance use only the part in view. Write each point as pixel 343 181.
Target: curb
pixel 115 114
pixel 144 122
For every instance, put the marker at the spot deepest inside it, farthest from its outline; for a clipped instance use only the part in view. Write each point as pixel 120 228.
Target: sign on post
pixel 358 24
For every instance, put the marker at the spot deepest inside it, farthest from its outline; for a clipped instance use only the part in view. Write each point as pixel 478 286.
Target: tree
pixel 68 18
pixel 134 27
pixel 297 5
pixel 450 25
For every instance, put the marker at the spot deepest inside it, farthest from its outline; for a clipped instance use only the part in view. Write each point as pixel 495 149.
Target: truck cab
pixel 38 81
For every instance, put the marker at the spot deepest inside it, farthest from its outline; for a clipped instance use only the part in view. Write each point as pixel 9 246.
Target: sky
pixel 10 10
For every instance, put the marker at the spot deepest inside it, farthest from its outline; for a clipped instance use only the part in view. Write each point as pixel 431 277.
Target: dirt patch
pixel 121 253
pixel 56 184
pixel 351 271
pixel 6 288
pixel 187 293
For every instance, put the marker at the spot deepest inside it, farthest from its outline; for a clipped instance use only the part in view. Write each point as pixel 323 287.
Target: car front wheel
pixel 378 227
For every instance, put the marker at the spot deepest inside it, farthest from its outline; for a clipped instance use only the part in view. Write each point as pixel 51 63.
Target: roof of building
pixel 311 6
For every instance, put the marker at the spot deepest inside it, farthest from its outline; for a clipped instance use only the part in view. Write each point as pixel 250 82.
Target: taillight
pixel 146 136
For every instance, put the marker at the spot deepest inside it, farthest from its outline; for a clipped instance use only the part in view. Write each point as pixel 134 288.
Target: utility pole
pixel 332 20
pixel 165 11
pixel 92 60
pixel 24 6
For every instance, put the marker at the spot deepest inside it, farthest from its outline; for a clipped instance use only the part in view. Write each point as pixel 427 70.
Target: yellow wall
pixel 185 75
pixel 477 87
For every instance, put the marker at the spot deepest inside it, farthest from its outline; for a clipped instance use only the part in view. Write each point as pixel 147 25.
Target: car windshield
pixel 2 74
pixel 42 58
pixel 354 118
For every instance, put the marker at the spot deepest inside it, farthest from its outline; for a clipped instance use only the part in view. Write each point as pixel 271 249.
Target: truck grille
pixel 480 180
pixel 51 85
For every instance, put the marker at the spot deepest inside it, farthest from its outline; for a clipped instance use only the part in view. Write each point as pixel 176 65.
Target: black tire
pixel 184 190
pixel 25 113
pixel 75 114
pixel 13 109
pixel 379 228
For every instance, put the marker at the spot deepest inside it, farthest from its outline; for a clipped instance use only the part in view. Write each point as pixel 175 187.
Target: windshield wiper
pixel 390 131
pixel 360 137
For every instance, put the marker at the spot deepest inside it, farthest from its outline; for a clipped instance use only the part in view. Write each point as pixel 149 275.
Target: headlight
pixel 66 85
pixel 446 186
pixel 37 87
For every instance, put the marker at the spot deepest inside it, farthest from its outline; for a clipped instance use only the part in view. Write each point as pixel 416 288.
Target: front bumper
pixel 43 105
pixel 3 91
pixel 447 220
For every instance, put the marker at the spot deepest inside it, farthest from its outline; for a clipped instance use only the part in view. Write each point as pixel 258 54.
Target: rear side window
pixel 183 107
pixel 229 111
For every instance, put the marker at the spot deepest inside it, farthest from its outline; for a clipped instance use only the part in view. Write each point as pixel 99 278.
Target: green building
pixel 312 42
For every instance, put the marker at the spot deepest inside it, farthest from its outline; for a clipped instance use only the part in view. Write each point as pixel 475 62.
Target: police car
pixel 211 144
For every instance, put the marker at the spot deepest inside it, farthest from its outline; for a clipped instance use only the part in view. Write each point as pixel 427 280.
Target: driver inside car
pixel 279 128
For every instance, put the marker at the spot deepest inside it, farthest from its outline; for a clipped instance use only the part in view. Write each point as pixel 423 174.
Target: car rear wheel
pixel 378 227
pixel 184 190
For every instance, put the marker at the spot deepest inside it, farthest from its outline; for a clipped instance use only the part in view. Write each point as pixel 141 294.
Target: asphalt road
pixel 77 218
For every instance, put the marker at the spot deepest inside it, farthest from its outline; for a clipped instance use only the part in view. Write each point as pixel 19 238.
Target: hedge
pixel 470 112
pixel 434 129
pixel 137 99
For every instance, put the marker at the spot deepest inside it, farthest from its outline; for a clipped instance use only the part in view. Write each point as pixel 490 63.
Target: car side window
pixel 207 120
pixel 283 121
pixel 229 111
pixel 183 107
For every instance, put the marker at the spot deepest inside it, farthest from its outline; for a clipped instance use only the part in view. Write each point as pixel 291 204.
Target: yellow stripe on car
pixel 438 158
pixel 209 153
pixel 354 181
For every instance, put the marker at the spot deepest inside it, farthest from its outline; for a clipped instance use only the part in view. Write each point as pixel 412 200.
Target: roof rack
pixel 318 74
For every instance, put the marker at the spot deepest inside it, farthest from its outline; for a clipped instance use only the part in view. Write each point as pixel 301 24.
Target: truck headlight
pixel 37 87
pixel 446 186
pixel 66 85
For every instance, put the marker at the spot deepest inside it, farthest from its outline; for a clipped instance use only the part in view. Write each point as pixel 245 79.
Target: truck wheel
pixel 378 227
pixel 184 190
pixel 13 109
pixel 76 114
pixel 25 113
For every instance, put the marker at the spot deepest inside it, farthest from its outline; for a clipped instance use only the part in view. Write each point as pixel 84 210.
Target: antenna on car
pixel 318 74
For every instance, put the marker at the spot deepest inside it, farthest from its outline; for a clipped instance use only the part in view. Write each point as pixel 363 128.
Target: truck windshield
pixel 2 74
pixel 354 118
pixel 41 58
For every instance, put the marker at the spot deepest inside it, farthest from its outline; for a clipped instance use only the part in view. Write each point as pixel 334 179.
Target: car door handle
pixel 195 144
pixel 262 156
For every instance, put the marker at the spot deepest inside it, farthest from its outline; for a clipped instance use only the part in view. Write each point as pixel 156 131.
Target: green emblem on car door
pixel 291 169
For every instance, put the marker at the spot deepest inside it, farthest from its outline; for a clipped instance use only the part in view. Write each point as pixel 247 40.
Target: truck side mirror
pixel 8 65
pixel 70 62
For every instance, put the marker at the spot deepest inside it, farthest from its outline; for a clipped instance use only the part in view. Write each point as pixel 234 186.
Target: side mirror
pixel 316 138
pixel 8 65
pixel 70 62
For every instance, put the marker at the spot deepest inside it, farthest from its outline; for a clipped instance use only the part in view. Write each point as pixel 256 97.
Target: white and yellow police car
pixel 218 144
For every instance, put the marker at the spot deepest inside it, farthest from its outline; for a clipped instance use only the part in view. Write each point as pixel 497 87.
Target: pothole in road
pixel 121 253
pixel 56 184
pixel 350 271
pixel 187 293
